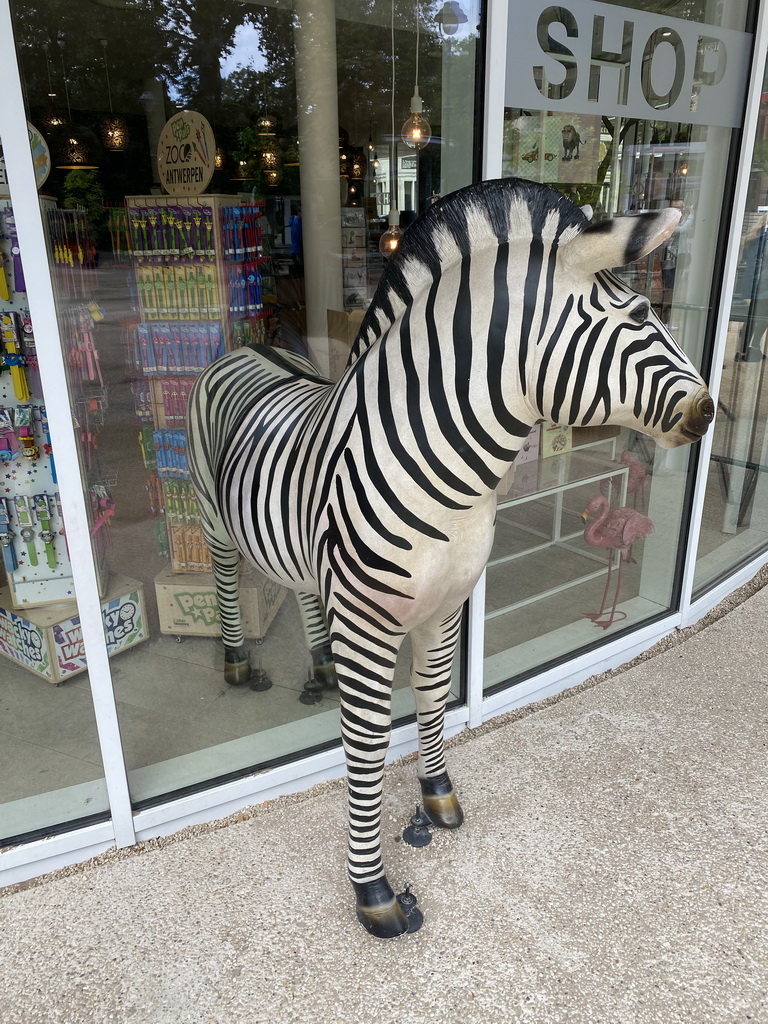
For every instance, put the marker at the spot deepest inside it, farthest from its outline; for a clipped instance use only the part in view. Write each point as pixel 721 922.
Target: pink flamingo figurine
pixel 636 480
pixel 616 529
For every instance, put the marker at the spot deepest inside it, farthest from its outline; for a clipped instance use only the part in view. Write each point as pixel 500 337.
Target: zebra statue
pixel 377 493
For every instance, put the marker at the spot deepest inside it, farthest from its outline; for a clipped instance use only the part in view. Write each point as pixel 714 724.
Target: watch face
pixel 27 533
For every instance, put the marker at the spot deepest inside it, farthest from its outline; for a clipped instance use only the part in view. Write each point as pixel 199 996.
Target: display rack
pixel 35 555
pixel 39 622
pixel 197 264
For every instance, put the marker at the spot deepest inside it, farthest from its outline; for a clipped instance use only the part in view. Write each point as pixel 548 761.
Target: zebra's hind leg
pixel 434 646
pixel 318 640
pixel 226 571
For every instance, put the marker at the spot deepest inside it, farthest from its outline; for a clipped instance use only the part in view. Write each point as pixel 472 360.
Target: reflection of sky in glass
pixel 246 51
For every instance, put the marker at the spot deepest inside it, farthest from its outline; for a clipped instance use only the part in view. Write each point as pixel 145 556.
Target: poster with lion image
pixel 562 148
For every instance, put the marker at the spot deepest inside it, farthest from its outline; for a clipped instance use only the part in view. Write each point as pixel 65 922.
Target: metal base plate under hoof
pixel 379 911
pixel 408 902
pixel 417 833
pixel 312 692
pixel 441 805
pixel 260 681
pixel 237 668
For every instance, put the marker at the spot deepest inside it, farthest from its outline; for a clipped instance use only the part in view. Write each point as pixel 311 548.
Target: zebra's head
pixel 602 354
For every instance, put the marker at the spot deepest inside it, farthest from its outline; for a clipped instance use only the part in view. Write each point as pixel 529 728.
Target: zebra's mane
pixel 472 219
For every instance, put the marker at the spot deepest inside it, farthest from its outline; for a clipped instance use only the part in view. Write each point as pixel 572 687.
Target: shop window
pixel 734 527
pixel 623 109
pixel 48 734
pixel 220 174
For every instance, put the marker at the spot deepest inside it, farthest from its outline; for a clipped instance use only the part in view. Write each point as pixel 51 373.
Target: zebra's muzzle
pixel 701 414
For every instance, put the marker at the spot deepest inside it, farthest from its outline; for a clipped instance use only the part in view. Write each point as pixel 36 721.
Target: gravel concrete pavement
pixel 612 870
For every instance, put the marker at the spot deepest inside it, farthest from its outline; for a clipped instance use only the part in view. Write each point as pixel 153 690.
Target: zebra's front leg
pixel 365 663
pixel 434 647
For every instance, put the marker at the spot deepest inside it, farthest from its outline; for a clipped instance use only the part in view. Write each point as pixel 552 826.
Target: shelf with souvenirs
pixel 198 264
pixel 39 625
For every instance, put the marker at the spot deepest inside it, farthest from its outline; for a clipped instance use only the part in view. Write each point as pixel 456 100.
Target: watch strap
pixel 24 515
pixel 43 510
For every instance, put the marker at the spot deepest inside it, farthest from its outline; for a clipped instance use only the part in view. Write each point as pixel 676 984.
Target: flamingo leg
pixel 596 615
pixel 614 615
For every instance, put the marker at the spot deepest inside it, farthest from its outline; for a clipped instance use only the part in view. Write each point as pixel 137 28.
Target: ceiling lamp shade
pixel 417 131
pixel 74 148
pixel 358 164
pixel 266 124
pixel 52 118
pixel 114 130
pixel 449 17
pixel 114 133
pixel 270 156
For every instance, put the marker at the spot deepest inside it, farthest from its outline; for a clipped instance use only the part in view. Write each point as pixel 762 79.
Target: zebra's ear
pixel 622 240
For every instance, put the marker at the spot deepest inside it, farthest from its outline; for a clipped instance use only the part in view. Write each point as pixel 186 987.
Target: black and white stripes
pixel 376 494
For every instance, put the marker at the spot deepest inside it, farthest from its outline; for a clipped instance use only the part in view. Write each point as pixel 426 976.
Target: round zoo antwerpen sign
pixel 185 154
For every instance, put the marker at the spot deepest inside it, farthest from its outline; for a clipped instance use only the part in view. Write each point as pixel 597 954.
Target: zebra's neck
pixel 444 376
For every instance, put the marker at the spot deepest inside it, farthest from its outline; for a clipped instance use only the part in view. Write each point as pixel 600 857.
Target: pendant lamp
pixel 417 131
pixel 390 240
pixel 114 130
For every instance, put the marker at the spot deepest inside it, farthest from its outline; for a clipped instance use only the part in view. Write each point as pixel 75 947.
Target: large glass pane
pixel 50 764
pixel 625 108
pixel 734 526
pixel 225 172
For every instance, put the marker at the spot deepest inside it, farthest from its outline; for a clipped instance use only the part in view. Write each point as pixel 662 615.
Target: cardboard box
pixel 342 331
pixel 49 641
pixel 556 439
pixel 586 435
pixel 187 604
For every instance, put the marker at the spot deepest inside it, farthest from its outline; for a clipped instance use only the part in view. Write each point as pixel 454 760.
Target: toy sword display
pixel 9 330
pixel 6 537
pixel 43 510
pixel 19 284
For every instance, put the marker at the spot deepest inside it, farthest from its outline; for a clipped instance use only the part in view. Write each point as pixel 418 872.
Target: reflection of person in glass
pixel 752 285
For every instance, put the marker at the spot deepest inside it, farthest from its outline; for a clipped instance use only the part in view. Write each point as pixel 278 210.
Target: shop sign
pixel 586 57
pixel 185 154
pixel 123 626
pixel 23 641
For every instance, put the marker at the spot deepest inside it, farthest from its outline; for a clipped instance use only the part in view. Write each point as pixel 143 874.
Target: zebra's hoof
pixel 237 667
pixel 441 803
pixel 382 913
pixel 324 667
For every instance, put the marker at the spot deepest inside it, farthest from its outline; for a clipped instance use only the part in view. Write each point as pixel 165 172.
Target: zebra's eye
pixel 640 312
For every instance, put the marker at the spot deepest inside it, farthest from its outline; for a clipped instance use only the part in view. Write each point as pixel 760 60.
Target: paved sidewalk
pixel 612 868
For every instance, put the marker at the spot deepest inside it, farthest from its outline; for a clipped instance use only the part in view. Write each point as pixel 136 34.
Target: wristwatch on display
pixel 6 537
pixel 43 510
pixel 25 521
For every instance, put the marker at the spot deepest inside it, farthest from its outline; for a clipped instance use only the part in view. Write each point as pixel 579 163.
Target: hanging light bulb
pixel 375 163
pixel 390 240
pixel 417 131
pixel 220 158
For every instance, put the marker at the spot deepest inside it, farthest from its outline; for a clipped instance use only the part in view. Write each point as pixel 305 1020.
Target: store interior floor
pixel 171 697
